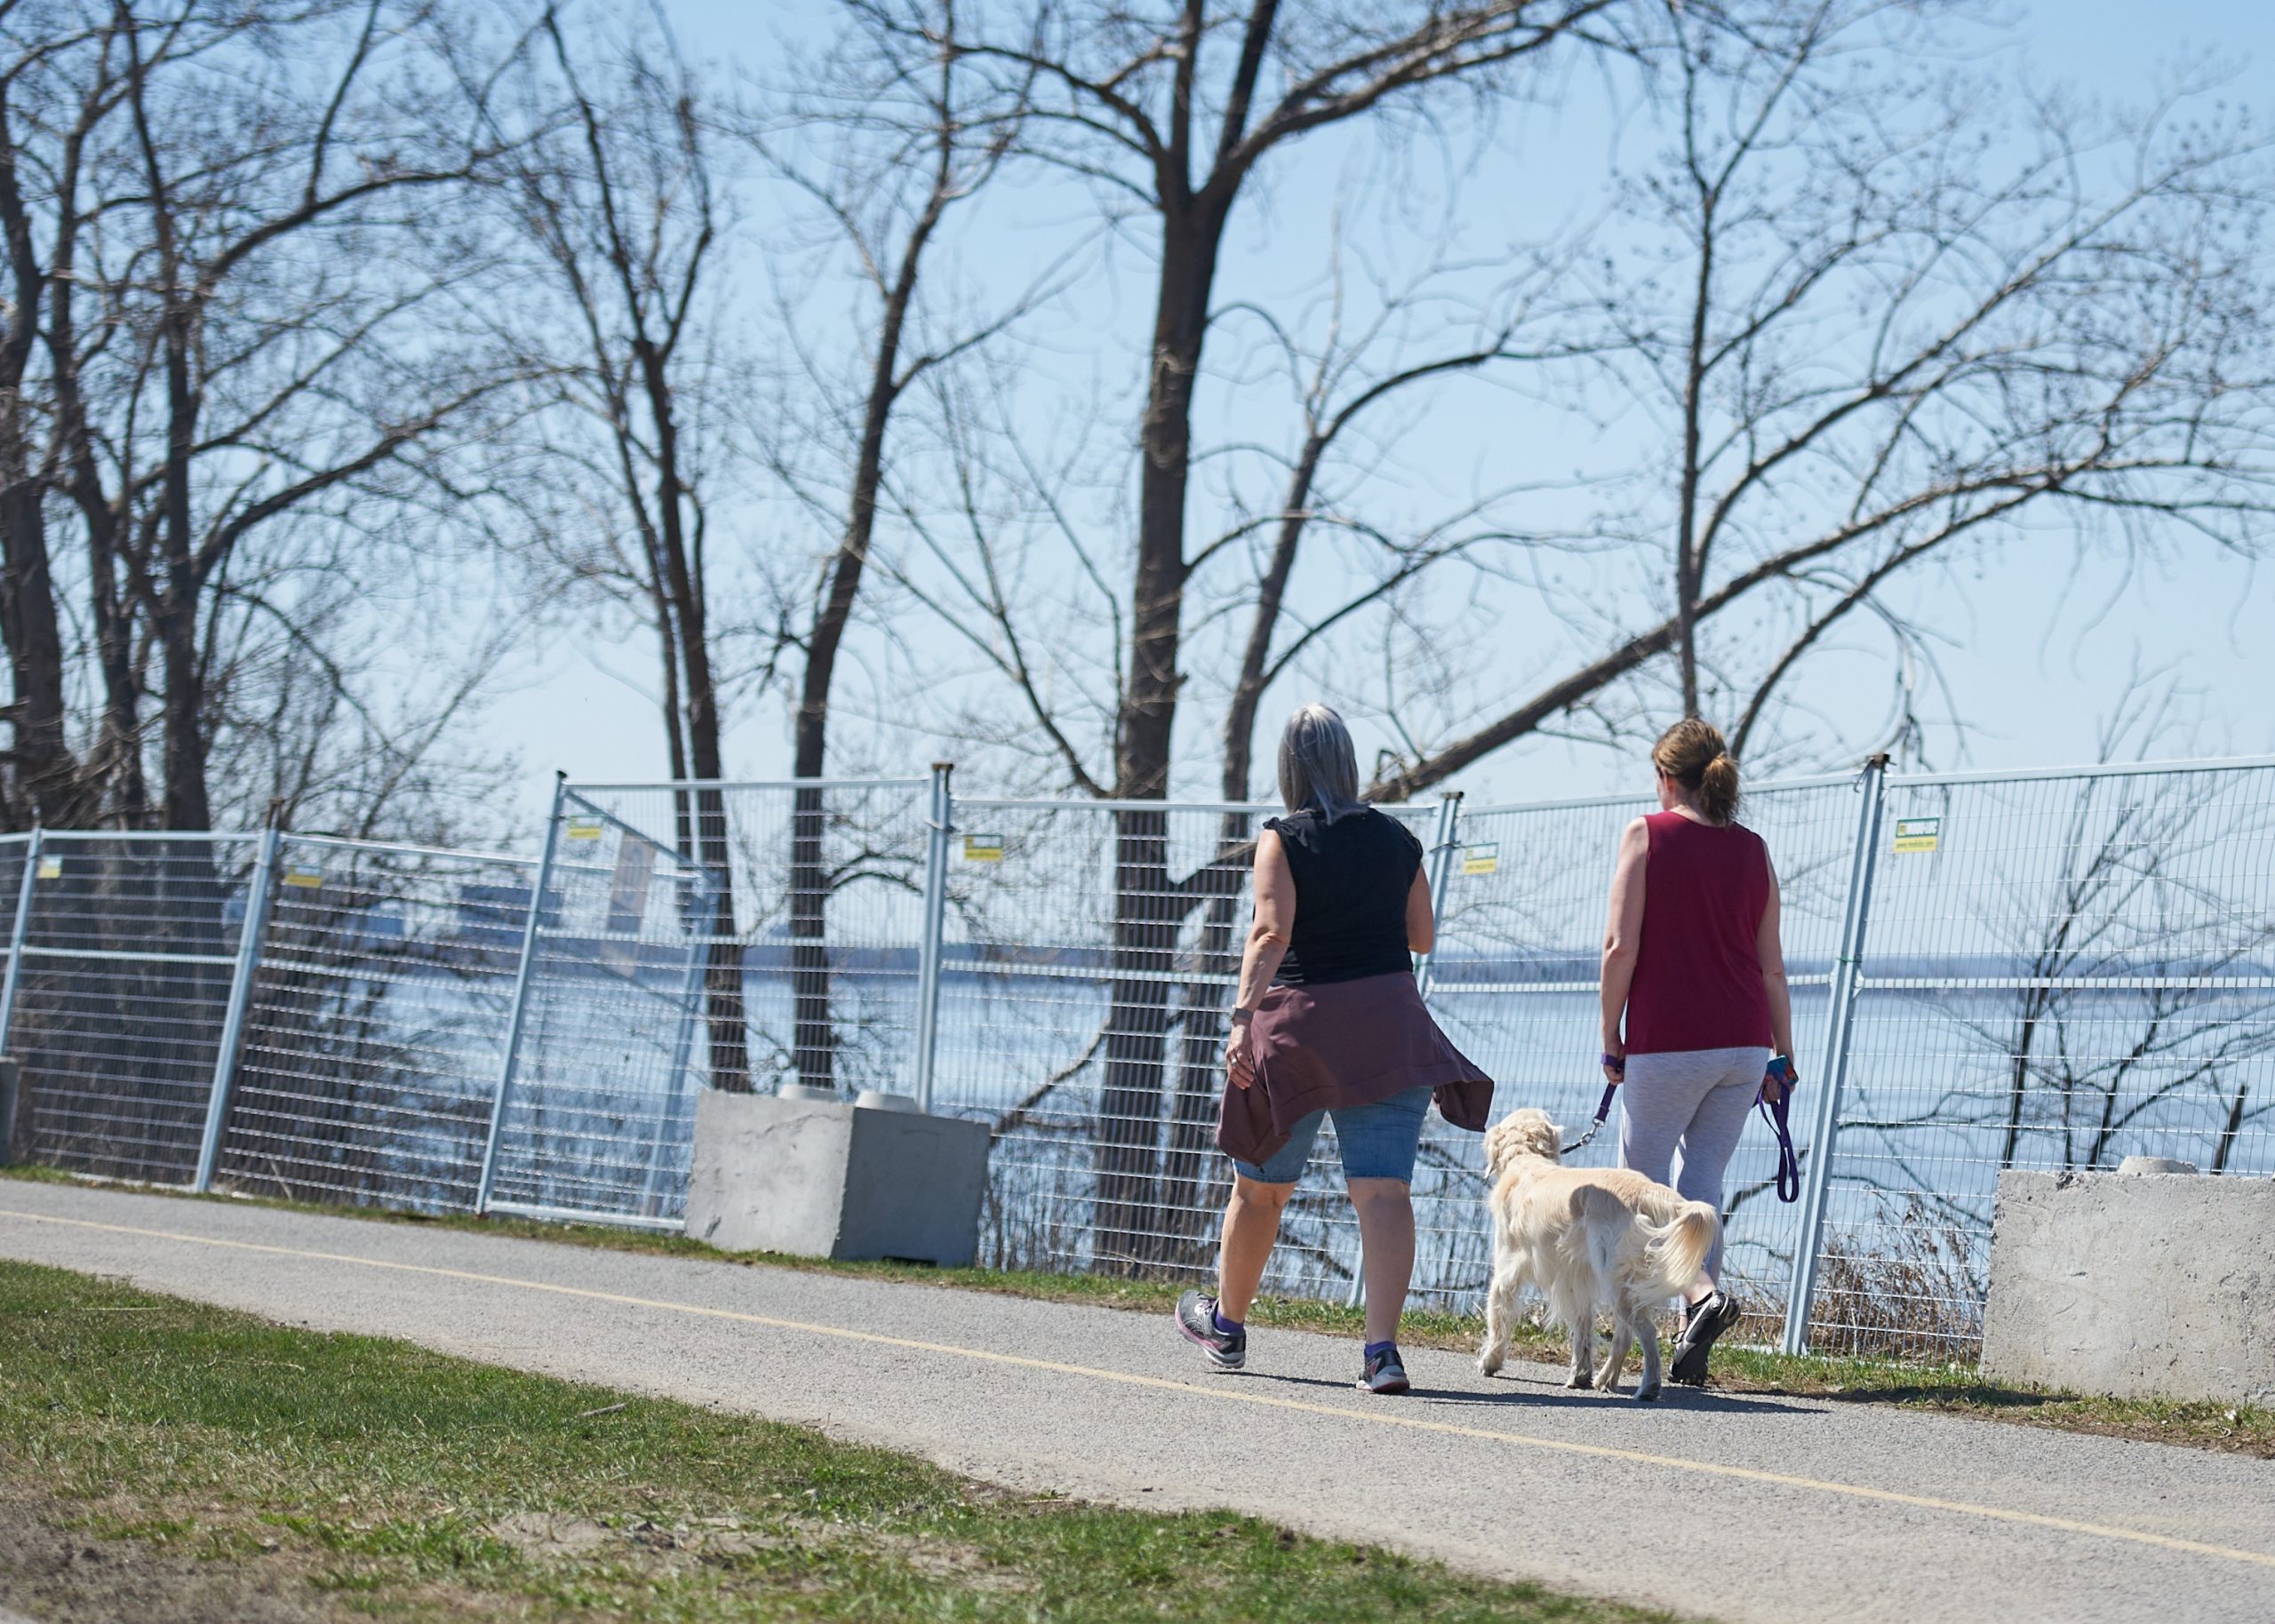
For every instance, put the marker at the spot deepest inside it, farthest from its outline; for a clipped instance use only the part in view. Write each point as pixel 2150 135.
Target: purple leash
pixel 1777 1112
pixel 1603 1110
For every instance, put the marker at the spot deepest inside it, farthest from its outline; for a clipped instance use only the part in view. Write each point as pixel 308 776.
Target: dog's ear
pixel 1503 1140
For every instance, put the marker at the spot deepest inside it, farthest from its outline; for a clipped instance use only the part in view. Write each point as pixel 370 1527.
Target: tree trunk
pixel 1189 1209
pixel 44 770
pixel 723 998
pixel 1148 911
pixel 816 1034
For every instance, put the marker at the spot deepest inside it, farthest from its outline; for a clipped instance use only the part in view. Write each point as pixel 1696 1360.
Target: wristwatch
pixel 1240 1013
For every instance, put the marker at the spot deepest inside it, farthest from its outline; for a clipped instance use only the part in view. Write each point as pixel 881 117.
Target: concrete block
pixel 2150 1285
pixel 822 1178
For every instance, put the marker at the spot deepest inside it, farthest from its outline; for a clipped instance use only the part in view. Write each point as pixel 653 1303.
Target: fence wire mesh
pixel 2059 971
pixel 2055 970
pixel 817 918
pixel 597 1118
pixel 129 946
pixel 1091 953
pixel 375 1028
pixel 1516 986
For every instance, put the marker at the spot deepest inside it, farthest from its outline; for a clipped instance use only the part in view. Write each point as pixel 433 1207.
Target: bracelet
pixel 1616 1062
pixel 1240 1013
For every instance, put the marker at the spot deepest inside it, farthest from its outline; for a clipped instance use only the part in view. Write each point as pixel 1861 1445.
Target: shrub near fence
pixel 2032 969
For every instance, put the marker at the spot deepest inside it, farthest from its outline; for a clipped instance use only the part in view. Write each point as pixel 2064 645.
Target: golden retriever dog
pixel 1587 1237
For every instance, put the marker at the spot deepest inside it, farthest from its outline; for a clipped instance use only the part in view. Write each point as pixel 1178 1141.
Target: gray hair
pixel 1318 767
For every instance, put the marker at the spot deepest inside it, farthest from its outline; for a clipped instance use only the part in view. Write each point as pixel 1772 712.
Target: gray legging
pixel 1697 1099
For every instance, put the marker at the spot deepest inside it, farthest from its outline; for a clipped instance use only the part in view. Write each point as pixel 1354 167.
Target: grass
pixel 1953 1388
pixel 360 1474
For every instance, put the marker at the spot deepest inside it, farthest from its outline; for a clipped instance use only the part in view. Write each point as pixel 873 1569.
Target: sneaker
pixel 1702 1322
pixel 1384 1372
pixel 1196 1317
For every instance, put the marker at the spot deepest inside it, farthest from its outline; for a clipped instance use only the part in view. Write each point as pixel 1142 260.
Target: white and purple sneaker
pixel 1196 1317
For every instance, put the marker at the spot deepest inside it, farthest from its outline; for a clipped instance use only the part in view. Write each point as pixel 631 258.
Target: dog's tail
pixel 1676 1248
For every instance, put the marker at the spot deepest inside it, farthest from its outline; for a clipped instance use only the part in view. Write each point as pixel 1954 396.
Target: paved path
pixel 1740 1507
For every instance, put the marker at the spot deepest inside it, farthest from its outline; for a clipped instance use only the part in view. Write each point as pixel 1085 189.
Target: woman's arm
pixel 1771 952
pixel 1421 922
pixel 1623 938
pixel 1267 945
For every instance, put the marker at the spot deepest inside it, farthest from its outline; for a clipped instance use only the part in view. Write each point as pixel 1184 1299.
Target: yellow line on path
pixel 1225 1394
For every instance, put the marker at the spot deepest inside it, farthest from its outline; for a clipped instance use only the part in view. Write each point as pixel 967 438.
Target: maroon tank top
pixel 1698 973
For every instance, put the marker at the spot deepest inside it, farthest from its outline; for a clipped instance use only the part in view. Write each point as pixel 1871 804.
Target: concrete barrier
pixel 2138 1285
pixel 822 1178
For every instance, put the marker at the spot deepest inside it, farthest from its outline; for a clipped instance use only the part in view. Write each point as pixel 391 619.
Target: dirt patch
pixel 64 1575
pixel 541 1535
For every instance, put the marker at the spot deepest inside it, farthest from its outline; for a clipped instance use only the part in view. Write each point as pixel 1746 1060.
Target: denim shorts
pixel 1378 1141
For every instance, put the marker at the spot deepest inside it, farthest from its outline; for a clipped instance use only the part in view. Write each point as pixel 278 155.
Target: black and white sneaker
pixel 1196 1317
pixel 1383 1372
pixel 1702 1322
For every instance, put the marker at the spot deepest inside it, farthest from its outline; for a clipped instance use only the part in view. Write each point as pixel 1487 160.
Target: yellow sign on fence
pixel 1481 859
pixel 982 848
pixel 582 828
pixel 307 878
pixel 1918 833
pixel 50 868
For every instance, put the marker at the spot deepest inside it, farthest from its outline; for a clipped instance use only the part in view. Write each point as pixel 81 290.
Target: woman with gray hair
pixel 1329 1023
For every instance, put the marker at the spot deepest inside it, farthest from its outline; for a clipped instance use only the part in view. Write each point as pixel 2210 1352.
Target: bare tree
pixel 889 132
pixel 622 202
pixel 43 769
pixel 1844 325
pixel 295 187
pixel 1170 109
pixel 235 349
pixel 1892 328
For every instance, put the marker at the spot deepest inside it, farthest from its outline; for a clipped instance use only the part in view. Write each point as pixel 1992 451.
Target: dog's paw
pixel 1579 1379
pixel 1490 1364
pixel 1646 1394
pixel 1607 1378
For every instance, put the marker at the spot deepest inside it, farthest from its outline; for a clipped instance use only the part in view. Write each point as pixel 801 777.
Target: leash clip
pixel 1603 1110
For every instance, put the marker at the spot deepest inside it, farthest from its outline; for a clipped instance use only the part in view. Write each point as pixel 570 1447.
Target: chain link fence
pixel 1090 954
pixel 374 1033
pixel 2046 970
pixel 125 955
pixel 1516 987
pixel 605 1049
pixel 2058 970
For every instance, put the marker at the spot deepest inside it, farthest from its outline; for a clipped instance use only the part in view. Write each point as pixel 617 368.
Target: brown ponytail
pixel 1692 754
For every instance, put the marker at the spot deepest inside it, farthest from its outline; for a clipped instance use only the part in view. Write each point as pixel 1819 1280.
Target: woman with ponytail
pixel 1695 1003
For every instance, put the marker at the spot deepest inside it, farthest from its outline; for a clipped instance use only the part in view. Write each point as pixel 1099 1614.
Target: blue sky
pixel 2037 657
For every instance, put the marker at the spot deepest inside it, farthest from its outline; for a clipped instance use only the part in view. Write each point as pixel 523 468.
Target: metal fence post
pixel 16 937
pixel 514 1020
pixel 250 931
pixel 1840 1020
pixel 1441 858
pixel 936 916
pixel 701 913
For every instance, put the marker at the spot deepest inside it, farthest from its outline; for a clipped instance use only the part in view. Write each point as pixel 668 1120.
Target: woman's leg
pixel 1659 1105
pixel 1711 1138
pixel 1252 1216
pixel 1377 1143
pixel 1251 1224
pixel 1386 1243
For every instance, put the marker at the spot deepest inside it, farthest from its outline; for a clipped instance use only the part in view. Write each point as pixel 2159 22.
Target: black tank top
pixel 1351 880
